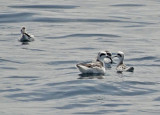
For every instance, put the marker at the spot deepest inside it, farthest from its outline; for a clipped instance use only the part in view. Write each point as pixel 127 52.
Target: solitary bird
pixel 97 67
pixel 25 38
pixel 121 66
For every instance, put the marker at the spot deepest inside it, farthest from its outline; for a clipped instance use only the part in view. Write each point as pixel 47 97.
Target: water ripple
pixel 68 82
pixel 46 6
pixel 102 112
pixel 115 105
pixel 60 20
pixel 144 58
pixel 71 89
pixel 84 48
pixel 15 17
pixel 140 83
pixel 22 77
pixel 157 99
pixel 147 65
pixel 10 90
pixel 72 106
pixel 5 60
pixel 8 68
pixel 128 5
pixel 72 20
pixel 61 62
pixel 86 35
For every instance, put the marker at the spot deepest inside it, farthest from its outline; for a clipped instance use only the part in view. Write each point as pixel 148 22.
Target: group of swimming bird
pixel 97 67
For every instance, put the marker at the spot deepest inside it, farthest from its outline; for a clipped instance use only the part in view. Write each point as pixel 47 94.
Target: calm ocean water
pixel 41 78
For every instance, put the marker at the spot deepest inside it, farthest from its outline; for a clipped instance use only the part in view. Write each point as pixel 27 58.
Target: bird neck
pixel 101 61
pixel 23 31
pixel 120 61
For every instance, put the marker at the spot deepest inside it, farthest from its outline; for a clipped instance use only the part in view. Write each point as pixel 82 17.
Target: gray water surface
pixel 41 77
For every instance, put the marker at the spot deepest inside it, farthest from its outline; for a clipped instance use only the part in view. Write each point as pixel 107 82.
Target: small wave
pixel 72 106
pixel 147 65
pixel 46 6
pixel 15 17
pixel 134 90
pixel 139 52
pixel 61 62
pixel 5 60
pixel 116 105
pixel 128 5
pixel 144 58
pixel 140 83
pixel 75 88
pixel 108 41
pixel 101 112
pixel 44 95
pixel 118 17
pixel 142 23
pixel 65 83
pixel 71 20
pixel 22 77
pixel 8 68
pixel 86 35
pixel 60 20
pixel 85 48
pixel 157 99
pixel 33 49
pixel 10 90
pixel 62 68
pixel 158 60
pixel 134 26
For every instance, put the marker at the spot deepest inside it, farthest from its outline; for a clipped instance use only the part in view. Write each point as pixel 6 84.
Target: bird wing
pixel 92 65
pixel 27 35
pixel 121 67
pixel 30 37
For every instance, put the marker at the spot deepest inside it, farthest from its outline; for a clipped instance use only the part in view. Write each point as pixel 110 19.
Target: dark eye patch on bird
pixel 102 54
pixel 109 54
pixel 119 55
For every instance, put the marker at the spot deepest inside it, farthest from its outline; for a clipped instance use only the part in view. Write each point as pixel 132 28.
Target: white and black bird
pixel 25 36
pixel 108 61
pixel 121 66
pixel 97 67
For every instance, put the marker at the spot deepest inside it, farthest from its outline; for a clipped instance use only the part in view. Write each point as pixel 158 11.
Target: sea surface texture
pixel 41 77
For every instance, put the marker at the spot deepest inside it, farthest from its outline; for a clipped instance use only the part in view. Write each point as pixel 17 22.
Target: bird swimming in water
pixel 97 67
pixel 108 61
pixel 121 66
pixel 25 38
